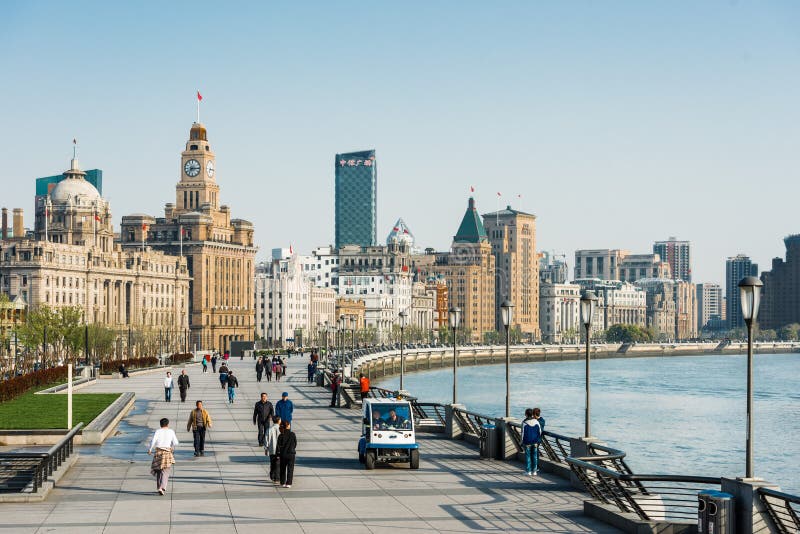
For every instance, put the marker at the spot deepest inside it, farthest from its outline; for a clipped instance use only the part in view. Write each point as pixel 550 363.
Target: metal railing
pixel 429 413
pixel 22 470
pixel 670 498
pixel 783 509
pixel 471 422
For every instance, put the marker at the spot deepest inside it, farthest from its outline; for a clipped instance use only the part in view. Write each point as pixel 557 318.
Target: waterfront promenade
pixel 110 488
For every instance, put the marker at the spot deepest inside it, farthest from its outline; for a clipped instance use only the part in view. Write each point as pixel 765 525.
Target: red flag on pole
pixel 291 250
pixel 96 217
pixel 199 96
pixel 498 194
pixel 471 189
pixel 144 226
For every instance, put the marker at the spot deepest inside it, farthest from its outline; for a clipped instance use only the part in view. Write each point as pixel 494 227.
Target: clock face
pixel 210 169
pixel 191 168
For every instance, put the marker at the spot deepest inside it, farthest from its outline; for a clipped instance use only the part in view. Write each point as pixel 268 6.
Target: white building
pixel 422 314
pixel 709 303
pixel 283 301
pixel 322 266
pixel 559 312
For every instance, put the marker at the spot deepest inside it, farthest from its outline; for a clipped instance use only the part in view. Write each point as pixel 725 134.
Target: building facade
pixel 552 268
pixel 709 304
pixel 634 267
pixel 469 270
pixel 356 199
pixel 283 302
pixel 219 250
pixel 423 314
pixel 660 306
pixel 780 303
pixel 619 303
pixel 678 254
pixel 70 259
pixel 598 263
pixel 559 312
pixel 736 268
pixel 512 235
pixel 322 267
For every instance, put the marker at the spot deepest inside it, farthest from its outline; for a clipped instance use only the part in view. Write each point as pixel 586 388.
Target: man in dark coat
pixel 183 384
pixel 262 415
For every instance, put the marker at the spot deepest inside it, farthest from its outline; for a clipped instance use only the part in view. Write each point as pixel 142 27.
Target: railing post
pixel 751 514
pixel 579 448
pixel 507 447
pixel 451 426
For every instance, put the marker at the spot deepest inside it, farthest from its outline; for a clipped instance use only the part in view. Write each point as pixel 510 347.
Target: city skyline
pixel 695 128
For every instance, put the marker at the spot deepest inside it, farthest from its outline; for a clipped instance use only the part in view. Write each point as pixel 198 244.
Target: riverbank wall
pixel 387 363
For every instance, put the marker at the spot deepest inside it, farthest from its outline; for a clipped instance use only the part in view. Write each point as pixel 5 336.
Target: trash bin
pixel 715 512
pixel 488 441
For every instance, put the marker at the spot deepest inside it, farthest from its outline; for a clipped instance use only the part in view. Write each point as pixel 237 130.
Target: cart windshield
pixel 391 417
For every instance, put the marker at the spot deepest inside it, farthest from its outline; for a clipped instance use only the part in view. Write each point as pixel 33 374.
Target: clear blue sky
pixel 620 123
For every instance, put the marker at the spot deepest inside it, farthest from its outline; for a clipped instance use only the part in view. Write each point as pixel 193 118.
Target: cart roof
pixel 385 401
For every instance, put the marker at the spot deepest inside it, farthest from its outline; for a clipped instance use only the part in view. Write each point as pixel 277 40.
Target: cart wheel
pixel 369 460
pixel 414 459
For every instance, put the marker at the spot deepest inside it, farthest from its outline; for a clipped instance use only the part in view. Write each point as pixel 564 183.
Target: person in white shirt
pixel 168 387
pixel 271 448
pixel 163 443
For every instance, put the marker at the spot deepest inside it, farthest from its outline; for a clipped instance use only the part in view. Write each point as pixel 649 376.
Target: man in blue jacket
pixel 284 408
pixel 532 429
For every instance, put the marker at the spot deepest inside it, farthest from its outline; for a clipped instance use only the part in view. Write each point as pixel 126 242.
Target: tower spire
pixel 74 148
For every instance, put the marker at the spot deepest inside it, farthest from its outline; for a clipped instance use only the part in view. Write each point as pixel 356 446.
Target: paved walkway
pixel 110 488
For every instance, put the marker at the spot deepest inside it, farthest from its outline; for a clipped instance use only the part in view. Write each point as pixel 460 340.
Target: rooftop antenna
pixel 74 148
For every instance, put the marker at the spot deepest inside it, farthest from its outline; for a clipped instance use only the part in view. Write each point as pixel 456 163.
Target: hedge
pixel 181 357
pixel 19 385
pixel 112 366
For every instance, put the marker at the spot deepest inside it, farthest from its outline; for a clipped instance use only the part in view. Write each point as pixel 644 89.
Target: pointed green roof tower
pixel 471 229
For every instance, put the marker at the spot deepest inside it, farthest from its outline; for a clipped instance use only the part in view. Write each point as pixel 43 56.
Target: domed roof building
pixel 401 234
pixel 75 213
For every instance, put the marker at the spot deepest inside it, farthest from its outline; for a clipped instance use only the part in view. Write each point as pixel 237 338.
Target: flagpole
pixel 181 240
pixel 46 216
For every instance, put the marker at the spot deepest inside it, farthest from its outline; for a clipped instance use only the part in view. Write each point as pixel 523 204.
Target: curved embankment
pixel 387 363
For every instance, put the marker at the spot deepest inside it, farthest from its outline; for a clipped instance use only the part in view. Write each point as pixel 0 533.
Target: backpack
pixel 529 433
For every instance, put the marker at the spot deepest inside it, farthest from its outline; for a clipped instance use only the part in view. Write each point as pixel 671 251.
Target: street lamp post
pixel 353 324
pixel 326 343
pixel 341 344
pixel 588 301
pixel 454 314
pixel 402 316
pixel 507 309
pixel 750 295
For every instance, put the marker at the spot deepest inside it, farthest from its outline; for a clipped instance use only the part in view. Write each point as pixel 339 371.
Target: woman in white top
pixel 163 443
pixel 168 387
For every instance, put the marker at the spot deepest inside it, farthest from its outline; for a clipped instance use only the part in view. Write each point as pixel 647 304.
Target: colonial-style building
pixel 219 249
pixel 70 259
pixel 469 269
pixel 512 234
pixel 559 308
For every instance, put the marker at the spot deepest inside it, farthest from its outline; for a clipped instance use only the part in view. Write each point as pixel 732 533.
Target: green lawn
pixel 31 411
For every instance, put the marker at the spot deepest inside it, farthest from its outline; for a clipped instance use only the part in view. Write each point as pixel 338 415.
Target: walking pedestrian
pixel 364 383
pixel 223 375
pixel 204 361
pixel 284 408
pixel 183 384
pixel 168 387
pixel 262 415
pixel 233 383
pixel 163 443
pixel 214 363
pixel 310 371
pixel 267 368
pixel 199 422
pixel 271 449
pixel 335 383
pixel 532 429
pixel 259 371
pixel 287 451
pixel 276 370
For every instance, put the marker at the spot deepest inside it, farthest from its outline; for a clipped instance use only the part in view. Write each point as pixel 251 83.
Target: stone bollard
pixel 451 427
pixel 507 448
pixel 750 514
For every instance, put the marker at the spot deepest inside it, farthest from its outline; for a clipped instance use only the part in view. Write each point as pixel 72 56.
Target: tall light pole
pixel 402 316
pixel 588 301
pixel 750 295
pixel 353 324
pixel 326 343
pixel 341 344
pixel 454 314
pixel 507 309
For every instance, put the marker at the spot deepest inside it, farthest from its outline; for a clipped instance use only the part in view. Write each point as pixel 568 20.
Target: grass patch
pixel 32 412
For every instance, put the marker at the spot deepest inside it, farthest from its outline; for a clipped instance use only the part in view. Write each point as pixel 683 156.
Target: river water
pixel 673 415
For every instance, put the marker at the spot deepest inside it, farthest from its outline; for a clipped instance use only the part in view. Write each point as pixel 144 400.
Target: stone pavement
pixel 110 488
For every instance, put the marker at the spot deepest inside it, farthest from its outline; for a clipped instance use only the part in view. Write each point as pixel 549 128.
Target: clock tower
pixel 197 185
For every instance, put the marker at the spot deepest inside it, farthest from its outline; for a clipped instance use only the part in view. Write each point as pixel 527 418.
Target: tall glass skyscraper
pixel 356 199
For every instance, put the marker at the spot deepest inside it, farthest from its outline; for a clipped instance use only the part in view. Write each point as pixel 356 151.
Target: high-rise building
pixel 512 235
pixel 709 303
pixel 356 199
pixel 469 270
pixel 219 250
pixel 780 304
pixel 736 268
pixel 678 255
